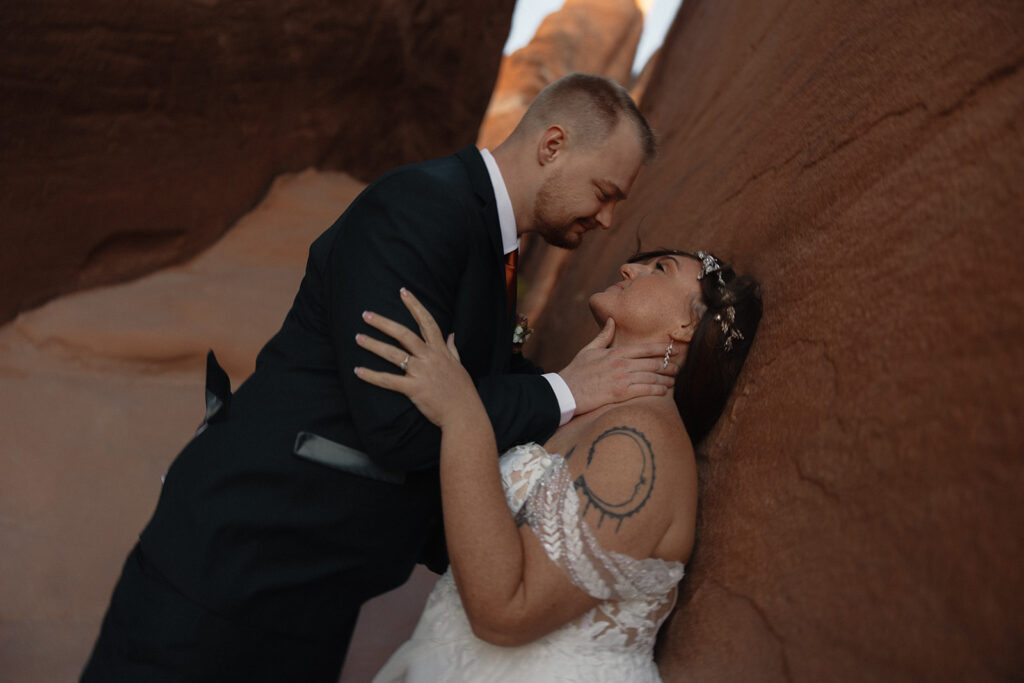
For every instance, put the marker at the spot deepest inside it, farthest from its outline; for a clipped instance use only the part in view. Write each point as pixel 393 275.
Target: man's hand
pixel 599 375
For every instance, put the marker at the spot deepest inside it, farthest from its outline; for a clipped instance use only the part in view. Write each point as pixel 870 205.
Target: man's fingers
pixel 639 390
pixel 428 326
pixel 651 378
pixel 645 367
pixel 671 370
pixel 655 365
pixel 604 337
pixel 656 379
pixel 649 350
pixel 659 366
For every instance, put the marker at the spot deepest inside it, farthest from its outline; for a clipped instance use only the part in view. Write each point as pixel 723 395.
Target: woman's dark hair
pixel 712 365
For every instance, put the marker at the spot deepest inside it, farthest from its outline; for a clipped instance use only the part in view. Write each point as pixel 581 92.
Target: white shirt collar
pixel 506 216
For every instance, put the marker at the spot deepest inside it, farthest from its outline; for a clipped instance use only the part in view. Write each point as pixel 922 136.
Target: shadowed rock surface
pixel 133 134
pixel 860 497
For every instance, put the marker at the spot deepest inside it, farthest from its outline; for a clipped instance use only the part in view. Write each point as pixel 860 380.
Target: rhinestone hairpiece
pixel 709 264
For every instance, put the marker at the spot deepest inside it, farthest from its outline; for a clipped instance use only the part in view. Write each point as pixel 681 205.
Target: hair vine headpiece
pixel 727 319
pixel 709 264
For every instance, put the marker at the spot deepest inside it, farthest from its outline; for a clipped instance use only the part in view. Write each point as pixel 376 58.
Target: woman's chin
pixel 600 315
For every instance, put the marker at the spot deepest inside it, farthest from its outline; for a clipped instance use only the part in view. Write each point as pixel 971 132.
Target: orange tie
pixel 511 265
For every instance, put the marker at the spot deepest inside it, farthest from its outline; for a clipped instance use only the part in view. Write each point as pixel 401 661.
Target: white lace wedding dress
pixel 613 642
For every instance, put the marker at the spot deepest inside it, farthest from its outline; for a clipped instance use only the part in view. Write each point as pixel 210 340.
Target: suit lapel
pixel 481 183
pixel 501 317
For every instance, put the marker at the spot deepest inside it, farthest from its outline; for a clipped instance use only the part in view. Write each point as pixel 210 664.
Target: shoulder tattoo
pixel 627 442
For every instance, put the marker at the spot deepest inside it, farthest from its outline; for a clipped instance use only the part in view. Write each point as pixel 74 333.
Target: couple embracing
pixel 387 396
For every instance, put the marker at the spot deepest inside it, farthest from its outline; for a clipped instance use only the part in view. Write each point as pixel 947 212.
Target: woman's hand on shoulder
pixel 431 376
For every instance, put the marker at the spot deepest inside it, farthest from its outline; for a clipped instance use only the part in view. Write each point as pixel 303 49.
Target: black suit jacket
pixel 250 530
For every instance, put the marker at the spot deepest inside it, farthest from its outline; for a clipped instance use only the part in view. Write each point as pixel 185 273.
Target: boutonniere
pixel 520 334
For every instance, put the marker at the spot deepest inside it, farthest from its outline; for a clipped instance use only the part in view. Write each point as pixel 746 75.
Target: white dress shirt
pixel 509 243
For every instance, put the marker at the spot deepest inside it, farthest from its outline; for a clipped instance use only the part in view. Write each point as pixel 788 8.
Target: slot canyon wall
pixel 860 496
pixel 862 159
pixel 119 118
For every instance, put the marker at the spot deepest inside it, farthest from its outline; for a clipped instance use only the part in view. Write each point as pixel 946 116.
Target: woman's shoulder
pixel 633 471
pixel 649 422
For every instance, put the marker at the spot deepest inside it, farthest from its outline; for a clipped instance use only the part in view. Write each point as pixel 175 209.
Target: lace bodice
pixel 638 594
pixel 612 642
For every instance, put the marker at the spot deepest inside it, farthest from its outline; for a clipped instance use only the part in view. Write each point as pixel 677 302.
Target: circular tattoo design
pixel 641 491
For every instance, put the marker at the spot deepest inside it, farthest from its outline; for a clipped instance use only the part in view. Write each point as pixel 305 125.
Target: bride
pixel 565 556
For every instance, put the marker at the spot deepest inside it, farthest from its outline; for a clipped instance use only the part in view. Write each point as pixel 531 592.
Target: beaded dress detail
pixel 613 642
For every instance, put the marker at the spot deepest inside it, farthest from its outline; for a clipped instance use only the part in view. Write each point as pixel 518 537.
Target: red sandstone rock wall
pixel 860 507
pixel 133 134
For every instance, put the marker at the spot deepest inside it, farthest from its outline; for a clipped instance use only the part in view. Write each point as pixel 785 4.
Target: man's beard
pixel 556 230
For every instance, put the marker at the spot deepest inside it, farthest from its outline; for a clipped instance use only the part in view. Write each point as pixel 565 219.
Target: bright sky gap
pixel 658 16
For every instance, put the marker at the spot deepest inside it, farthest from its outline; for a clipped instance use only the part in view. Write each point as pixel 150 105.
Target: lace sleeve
pixel 553 512
pixel 521 469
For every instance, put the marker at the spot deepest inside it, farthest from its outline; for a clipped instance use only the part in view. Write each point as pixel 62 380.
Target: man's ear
pixel 551 143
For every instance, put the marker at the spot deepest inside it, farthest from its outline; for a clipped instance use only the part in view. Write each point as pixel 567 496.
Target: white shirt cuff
pixel 566 403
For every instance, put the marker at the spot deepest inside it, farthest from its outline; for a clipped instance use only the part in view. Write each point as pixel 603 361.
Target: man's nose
pixel 604 216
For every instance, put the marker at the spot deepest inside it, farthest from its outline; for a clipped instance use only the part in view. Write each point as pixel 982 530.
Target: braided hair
pixel 730 312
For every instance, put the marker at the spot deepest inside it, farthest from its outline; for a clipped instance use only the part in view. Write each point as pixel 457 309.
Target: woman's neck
pixel 670 346
pixel 627 337
pixel 623 338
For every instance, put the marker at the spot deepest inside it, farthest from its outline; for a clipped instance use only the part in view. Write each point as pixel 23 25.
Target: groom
pixel 307 491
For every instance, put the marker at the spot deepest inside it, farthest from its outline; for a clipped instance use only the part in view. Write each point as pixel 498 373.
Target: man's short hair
pixel 590 106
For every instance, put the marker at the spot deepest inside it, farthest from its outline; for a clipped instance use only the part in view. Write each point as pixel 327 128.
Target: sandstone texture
pixel 865 160
pixel 861 515
pixel 100 390
pixel 133 134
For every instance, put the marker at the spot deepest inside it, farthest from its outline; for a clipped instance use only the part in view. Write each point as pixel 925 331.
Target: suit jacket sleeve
pixel 407 230
pixel 522 365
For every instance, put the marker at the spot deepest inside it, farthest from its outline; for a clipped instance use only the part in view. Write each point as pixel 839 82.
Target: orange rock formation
pixel 133 135
pixel 860 498
pixel 859 512
pixel 589 36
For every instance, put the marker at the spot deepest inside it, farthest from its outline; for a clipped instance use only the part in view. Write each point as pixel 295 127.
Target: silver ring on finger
pixel 405 363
